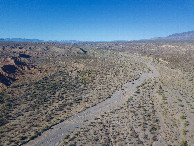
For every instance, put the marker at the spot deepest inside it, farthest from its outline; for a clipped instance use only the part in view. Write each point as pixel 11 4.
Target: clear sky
pixel 94 20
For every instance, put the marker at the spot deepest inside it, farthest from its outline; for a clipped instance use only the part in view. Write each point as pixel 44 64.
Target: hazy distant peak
pixel 178 36
pixel 20 40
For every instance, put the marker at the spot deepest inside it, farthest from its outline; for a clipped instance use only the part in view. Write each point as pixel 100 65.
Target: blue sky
pixel 94 20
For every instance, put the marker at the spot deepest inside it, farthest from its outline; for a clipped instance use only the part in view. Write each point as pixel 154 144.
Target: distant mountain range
pixel 184 36
pixel 20 40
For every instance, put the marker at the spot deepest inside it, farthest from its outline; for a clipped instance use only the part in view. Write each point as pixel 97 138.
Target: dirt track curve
pixel 56 135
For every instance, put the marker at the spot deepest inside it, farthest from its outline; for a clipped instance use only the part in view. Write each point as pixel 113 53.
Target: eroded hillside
pixel 65 80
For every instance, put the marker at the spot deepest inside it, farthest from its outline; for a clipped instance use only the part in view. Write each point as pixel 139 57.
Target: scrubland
pixel 161 110
pixel 51 82
pixel 62 84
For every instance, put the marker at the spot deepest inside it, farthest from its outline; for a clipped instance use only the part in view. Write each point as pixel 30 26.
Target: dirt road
pixel 56 135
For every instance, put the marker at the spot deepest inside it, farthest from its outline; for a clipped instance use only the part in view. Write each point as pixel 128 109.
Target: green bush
pixel 183 117
pixel 183 143
pixel 184 132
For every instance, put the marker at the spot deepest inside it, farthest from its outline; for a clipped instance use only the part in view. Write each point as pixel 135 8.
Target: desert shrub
pixel 179 99
pixel 163 97
pixel 66 136
pixel 184 132
pixel 22 137
pixel 3 121
pixel 1 99
pixel 183 143
pixel 186 123
pixel 183 117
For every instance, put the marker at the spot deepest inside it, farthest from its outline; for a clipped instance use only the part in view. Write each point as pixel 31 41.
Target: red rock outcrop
pixel 11 69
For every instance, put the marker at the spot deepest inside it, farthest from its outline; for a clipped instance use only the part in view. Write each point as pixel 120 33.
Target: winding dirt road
pixel 56 135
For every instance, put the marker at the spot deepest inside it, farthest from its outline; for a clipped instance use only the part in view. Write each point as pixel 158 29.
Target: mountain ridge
pixel 20 40
pixel 184 36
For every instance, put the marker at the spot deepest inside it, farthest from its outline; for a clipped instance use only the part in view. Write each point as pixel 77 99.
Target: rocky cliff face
pixel 11 68
pixel 17 59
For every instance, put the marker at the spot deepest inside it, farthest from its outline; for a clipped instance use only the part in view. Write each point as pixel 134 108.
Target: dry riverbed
pixel 147 110
pixel 56 135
